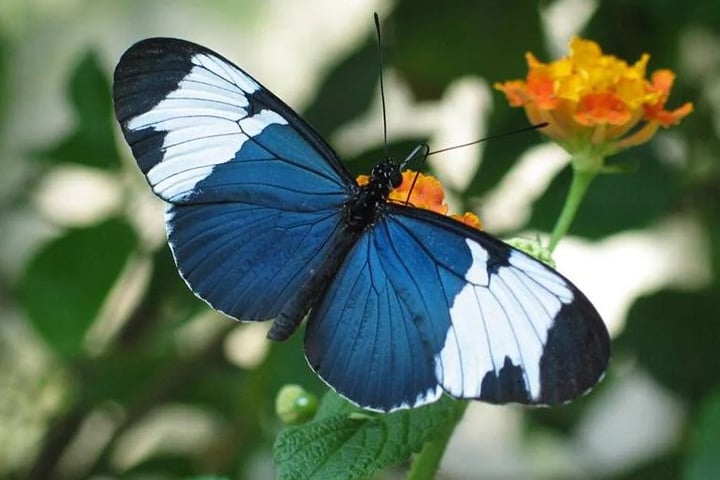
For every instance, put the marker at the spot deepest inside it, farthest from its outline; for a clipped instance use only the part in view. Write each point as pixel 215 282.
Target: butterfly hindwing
pixel 245 260
pixel 254 193
pixel 425 304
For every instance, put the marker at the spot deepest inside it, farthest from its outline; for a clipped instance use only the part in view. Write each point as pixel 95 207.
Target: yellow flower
pixel 592 99
pixel 427 193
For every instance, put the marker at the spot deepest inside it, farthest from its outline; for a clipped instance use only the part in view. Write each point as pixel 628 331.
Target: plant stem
pixel 580 182
pixel 428 460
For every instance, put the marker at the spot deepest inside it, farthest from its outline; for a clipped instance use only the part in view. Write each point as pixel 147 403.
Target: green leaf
pixel 703 461
pixel 673 335
pixel 4 90
pixel 66 283
pixel 347 442
pixel 613 202
pixel 433 46
pixel 92 142
pixel 167 301
pixel 207 477
pixel 346 91
pixel 123 378
pixel 665 467
pixel 500 155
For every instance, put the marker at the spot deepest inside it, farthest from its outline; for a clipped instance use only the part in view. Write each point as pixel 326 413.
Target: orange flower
pixel 427 193
pixel 469 219
pixel 589 98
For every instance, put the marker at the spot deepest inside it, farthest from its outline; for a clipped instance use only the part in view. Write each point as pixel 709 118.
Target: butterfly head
pixel 384 177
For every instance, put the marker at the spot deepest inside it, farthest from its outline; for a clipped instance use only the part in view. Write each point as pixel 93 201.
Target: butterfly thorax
pixel 362 209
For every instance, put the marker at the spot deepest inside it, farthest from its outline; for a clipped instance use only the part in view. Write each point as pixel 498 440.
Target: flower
pixel 593 100
pixel 427 193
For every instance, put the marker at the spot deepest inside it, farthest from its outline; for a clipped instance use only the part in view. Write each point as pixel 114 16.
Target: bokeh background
pixel 110 368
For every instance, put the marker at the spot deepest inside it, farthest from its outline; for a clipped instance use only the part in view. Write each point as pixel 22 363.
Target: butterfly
pixel 402 304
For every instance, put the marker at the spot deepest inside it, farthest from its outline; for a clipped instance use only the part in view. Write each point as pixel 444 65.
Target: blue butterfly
pixel 402 304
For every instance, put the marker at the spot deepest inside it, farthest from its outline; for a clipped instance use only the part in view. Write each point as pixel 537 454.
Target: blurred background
pixel 110 368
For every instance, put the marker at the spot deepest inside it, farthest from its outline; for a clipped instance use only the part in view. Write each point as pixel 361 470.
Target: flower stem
pixel 580 182
pixel 428 460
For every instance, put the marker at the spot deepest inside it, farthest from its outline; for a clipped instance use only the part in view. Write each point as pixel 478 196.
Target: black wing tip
pixel 147 72
pixel 576 354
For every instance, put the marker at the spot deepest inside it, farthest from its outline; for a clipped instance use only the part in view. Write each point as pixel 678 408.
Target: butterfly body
pixel 403 304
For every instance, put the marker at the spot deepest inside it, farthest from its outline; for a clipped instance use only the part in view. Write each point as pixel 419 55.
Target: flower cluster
pixel 589 98
pixel 427 193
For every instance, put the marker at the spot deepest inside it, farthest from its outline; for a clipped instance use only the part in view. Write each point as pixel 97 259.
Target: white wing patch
pixel 206 124
pixel 505 314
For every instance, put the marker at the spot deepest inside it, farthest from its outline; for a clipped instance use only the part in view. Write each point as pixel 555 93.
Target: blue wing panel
pixel 363 341
pixel 245 260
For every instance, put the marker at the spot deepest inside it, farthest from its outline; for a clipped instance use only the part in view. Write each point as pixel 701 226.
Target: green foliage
pixel 4 55
pixel 430 45
pixel 68 280
pixel 346 442
pixel 674 336
pixel 334 103
pixel 91 140
pixel 703 461
pixel 500 156
pixel 615 202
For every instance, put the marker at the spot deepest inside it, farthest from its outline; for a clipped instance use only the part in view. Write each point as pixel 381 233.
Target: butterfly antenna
pixel 490 137
pixel 382 85
pixel 413 154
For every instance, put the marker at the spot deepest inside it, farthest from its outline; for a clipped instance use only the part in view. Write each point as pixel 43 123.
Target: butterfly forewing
pixel 202 130
pixel 254 193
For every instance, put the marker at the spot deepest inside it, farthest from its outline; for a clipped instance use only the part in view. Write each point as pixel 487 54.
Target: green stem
pixel 428 460
pixel 580 182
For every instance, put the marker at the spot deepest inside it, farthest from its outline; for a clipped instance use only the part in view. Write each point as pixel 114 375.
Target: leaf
pixel 614 202
pixel 674 336
pixel 66 283
pixel 347 442
pixel 703 461
pixel 433 46
pixel 207 477
pixel 92 142
pixel 665 467
pixel 346 91
pixel 500 155
pixel 167 300
pixel 4 90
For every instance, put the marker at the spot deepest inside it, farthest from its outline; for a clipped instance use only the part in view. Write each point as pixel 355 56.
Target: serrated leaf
pixel 66 283
pixel 92 142
pixel 347 442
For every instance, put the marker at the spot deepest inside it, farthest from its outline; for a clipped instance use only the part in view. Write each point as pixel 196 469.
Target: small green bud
pixel 534 248
pixel 295 405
